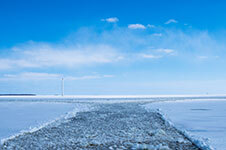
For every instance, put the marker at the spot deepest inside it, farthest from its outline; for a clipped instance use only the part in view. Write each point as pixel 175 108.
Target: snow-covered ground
pixel 19 116
pixel 205 118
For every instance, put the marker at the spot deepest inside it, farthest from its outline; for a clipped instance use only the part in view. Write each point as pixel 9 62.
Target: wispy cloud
pixel 136 26
pixel 108 76
pixel 157 53
pixel 111 20
pixel 49 76
pixel 171 21
pixel 88 77
pixel 38 55
pixel 150 56
pixel 165 50
pixel 5 64
pixel 202 57
pixel 31 76
pixel 119 45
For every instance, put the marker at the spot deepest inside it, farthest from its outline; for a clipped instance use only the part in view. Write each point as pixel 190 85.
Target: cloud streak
pixel 166 51
pixel 150 56
pixel 38 55
pixel 31 76
pixel 49 76
pixel 136 26
pixel 111 20
pixel 171 21
pixel 157 53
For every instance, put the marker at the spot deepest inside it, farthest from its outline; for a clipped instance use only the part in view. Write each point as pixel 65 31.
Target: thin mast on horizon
pixel 62 87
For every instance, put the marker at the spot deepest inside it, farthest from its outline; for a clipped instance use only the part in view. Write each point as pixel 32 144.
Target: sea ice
pixel 201 119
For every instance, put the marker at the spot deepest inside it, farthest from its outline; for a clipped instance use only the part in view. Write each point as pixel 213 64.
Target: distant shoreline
pixel 116 96
pixel 17 94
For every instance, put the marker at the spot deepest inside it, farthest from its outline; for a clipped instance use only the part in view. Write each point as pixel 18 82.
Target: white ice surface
pixel 18 116
pixel 205 119
pixel 106 96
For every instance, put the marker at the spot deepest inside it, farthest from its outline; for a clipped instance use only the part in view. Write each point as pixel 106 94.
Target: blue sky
pixel 113 47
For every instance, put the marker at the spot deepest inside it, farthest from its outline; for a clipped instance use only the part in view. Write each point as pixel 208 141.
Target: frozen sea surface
pixel 18 116
pixel 201 117
pixel 107 126
pixel 205 119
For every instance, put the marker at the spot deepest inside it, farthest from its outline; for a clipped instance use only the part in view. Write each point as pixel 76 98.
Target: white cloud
pixel 88 77
pixel 5 64
pixel 118 45
pixel 167 51
pixel 150 56
pixel 136 26
pixel 156 53
pixel 46 55
pixel 83 77
pixel 31 76
pixel 171 21
pixel 13 63
pixel 111 20
pixel 49 76
pixel 108 76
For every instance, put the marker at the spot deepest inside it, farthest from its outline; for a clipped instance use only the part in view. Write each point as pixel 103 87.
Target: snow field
pixel 203 121
pixel 20 117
